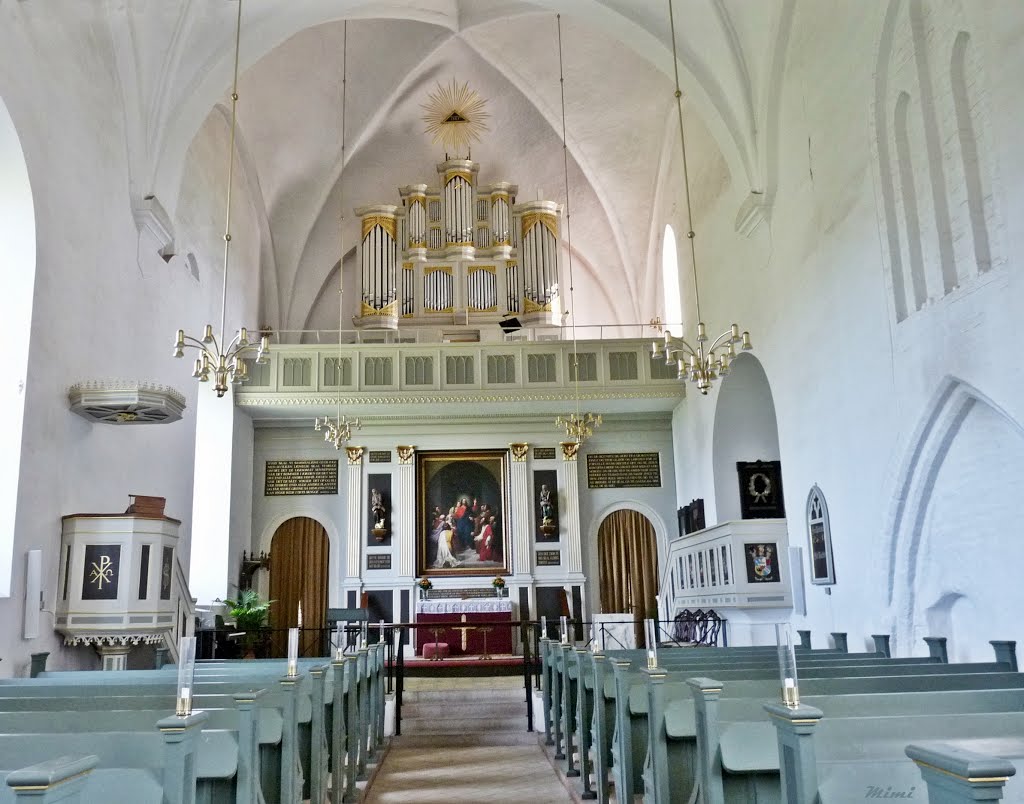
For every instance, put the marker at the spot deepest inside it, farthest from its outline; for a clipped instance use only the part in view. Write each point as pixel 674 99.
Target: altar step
pixel 470 715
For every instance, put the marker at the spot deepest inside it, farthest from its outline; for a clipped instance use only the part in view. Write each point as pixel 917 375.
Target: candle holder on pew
pixel 186 673
pixel 293 652
pixel 651 641
pixel 339 639
pixel 563 630
pixel 790 689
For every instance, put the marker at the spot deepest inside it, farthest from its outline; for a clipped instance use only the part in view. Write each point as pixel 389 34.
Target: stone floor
pixel 465 740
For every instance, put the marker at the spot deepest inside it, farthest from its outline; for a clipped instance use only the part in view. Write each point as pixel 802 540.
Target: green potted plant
pixel 250 613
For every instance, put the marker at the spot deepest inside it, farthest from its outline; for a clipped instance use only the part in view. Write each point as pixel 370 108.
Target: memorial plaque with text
pixel 378 561
pixel 549 558
pixel 380 456
pixel 301 477
pixel 623 470
pixel 543 453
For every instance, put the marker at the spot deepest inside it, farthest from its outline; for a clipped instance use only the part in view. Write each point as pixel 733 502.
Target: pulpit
pixel 468 627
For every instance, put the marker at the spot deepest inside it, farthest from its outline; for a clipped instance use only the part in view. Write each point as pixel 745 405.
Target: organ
pixel 459 252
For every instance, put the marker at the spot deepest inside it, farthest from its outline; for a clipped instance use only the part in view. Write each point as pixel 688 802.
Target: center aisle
pixel 465 740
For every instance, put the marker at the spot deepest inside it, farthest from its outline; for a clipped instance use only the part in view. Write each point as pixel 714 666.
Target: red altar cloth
pixel 449 629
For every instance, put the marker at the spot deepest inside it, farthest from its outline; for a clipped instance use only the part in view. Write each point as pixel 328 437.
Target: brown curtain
pixel 298 571
pixel 628 552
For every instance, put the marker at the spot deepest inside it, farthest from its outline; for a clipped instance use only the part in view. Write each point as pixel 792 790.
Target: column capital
pixel 519 451
pixel 405 455
pixel 570 449
pixel 355 455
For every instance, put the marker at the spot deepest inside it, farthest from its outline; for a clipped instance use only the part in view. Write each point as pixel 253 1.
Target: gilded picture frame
pixel 461 505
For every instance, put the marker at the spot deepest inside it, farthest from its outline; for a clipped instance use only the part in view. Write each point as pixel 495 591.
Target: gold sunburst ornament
pixel 455 117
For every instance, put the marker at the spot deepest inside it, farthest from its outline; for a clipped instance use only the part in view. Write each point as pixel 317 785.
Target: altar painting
pixel 461 513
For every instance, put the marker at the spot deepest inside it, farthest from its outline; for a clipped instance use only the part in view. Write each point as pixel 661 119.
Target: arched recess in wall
pixel 299 556
pixel 745 430
pixel 628 566
pixel 18 236
pixel 955 555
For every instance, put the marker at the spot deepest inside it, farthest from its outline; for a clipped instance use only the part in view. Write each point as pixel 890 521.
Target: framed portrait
pixel 461 513
pixel 819 532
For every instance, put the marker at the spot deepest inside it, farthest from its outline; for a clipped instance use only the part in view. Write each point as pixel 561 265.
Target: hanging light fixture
pixel 225 361
pixel 578 426
pixel 338 431
pixel 706 362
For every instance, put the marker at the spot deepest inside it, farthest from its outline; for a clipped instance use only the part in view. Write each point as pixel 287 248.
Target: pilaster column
pixel 571 481
pixel 354 520
pixel 406 478
pixel 519 479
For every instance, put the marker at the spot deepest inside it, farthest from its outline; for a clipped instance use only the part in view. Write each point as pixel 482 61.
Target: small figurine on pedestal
pixel 380 515
pixel 548 520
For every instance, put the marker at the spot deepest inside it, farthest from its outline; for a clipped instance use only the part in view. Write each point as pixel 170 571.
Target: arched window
pixel 670 281
pixel 820 534
pixel 18 236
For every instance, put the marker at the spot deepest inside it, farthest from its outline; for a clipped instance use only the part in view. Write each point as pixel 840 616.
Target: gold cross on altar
pixel 465 629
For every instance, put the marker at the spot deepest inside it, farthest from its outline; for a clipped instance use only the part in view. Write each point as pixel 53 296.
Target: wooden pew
pixel 564 706
pixel 356 733
pixel 55 781
pixel 700 741
pixel 158 765
pixel 630 739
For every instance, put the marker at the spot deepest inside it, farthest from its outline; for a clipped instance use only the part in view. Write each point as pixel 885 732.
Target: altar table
pixel 462 614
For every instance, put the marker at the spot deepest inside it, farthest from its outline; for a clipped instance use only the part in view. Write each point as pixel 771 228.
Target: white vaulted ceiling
pixel 174 62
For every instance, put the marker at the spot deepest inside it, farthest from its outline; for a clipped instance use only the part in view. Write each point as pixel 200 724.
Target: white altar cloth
pixel 479 605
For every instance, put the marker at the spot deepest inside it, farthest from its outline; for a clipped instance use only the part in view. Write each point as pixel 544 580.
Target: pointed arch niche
pixel 954 566
pixel 18 236
pixel 745 430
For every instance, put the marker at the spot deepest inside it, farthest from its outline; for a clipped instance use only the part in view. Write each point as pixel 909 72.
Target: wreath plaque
pixel 761 489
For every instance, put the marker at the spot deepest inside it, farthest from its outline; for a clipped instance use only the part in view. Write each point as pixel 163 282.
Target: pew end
pixel 956 775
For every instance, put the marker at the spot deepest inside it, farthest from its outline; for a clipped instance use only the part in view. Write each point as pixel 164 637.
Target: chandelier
pixel 338 431
pixel 578 426
pixel 704 363
pixel 225 360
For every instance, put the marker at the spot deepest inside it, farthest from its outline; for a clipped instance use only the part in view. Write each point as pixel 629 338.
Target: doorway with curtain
pixel 299 553
pixel 628 561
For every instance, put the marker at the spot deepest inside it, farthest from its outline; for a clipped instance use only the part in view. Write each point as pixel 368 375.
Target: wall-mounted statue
pixel 548 511
pixel 379 515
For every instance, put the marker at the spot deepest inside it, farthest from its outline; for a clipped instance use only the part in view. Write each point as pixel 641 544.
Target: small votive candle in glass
pixel 787 665
pixel 186 671
pixel 339 640
pixel 293 651
pixel 651 640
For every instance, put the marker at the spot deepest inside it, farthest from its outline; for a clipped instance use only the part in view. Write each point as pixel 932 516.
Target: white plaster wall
pixel 850 385
pixel 969 555
pixel 103 308
pixel 18 234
